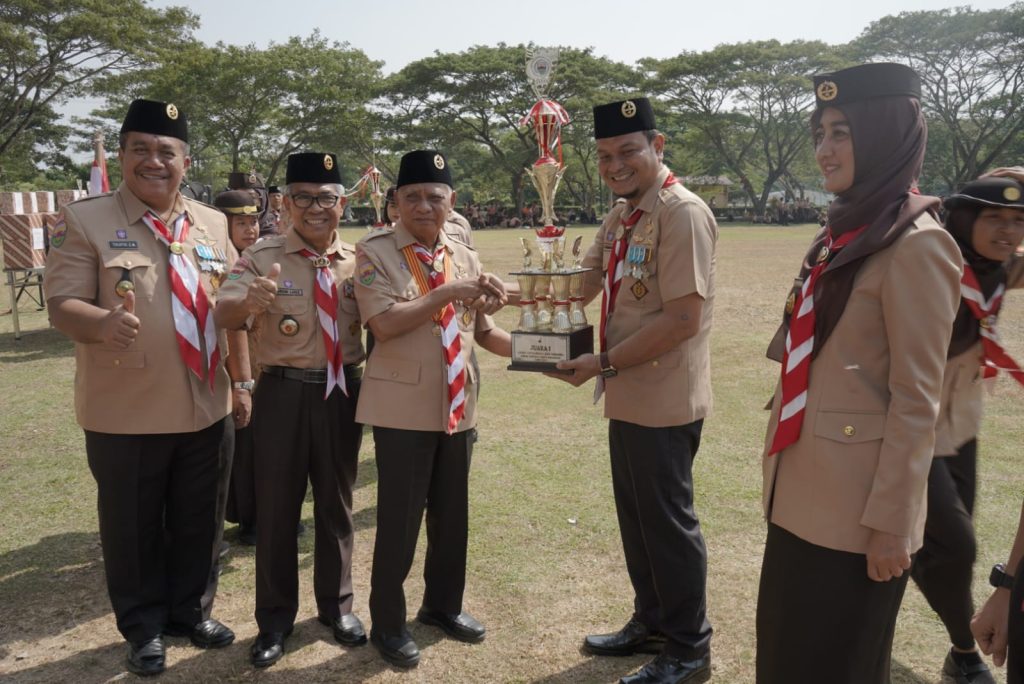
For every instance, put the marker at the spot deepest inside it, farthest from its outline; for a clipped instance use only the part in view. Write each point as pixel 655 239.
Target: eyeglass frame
pixel 304 204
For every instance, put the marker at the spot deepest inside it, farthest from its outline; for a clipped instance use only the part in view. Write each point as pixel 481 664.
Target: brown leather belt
pixel 315 376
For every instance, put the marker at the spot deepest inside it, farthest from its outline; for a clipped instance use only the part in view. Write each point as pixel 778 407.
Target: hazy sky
pixel 402 31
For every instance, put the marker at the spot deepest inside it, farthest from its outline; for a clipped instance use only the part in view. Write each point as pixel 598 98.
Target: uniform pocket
pixel 128 260
pixel 849 427
pixel 395 370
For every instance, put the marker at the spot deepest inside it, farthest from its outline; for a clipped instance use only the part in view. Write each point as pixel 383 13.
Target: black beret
pixel 156 118
pixel 424 166
pixel 989 192
pixel 241 180
pixel 236 203
pixel 864 82
pixel 312 167
pixel 273 190
pixel 625 116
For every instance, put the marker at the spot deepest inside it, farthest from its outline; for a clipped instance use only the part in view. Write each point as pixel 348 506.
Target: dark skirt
pixel 820 618
pixel 1015 637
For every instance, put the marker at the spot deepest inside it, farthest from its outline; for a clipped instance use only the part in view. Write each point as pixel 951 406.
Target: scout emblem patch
pixel 367 272
pixel 628 109
pixel 639 290
pixel 59 232
pixel 172 112
pixel 439 161
pixel 827 91
pixel 288 326
pixel 353 328
pixel 238 269
pixel 328 162
pixel 348 289
pixel 122 235
pixel 790 302
pixel 467 317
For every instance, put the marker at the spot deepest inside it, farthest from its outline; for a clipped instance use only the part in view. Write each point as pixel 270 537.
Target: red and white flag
pixel 98 181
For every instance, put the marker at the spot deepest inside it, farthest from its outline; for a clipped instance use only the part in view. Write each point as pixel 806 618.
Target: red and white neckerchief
pixel 325 296
pixel 451 342
pixel 190 308
pixel 986 311
pixel 796 362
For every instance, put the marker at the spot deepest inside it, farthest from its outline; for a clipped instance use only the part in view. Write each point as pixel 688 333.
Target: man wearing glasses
pixel 299 287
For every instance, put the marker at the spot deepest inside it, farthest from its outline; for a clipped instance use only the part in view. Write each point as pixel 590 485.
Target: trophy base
pixel 539 351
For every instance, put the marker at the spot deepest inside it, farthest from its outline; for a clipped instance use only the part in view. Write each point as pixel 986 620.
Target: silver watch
pixel 246 385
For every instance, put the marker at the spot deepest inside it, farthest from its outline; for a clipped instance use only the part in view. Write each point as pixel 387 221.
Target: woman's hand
pixel 1014 172
pixel 991 624
pixel 888 555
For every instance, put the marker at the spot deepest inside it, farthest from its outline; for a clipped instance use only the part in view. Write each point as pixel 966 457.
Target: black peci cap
pixel 236 203
pixel 312 167
pixel 156 118
pixel 273 190
pixel 865 82
pixel 988 192
pixel 241 180
pixel 620 118
pixel 424 166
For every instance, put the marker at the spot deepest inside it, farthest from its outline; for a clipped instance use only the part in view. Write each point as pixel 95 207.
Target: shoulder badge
pixel 59 232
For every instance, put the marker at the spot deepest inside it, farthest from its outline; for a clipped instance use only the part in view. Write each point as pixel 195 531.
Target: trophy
pixel 552 324
pixel 376 196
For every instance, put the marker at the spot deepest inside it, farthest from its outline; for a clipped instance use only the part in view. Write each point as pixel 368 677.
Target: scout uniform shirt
pixel 147 388
pixel 960 410
pixel 678 232
pixel 290 333
pixel 405 385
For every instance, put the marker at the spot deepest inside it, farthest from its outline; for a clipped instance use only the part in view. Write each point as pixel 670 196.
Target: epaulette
pixel 269 242
pixel 90 197
pixel 377 232
pixel 455 238
pixel 201 203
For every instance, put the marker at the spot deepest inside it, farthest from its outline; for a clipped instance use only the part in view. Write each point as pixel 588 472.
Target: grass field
pixel 545 560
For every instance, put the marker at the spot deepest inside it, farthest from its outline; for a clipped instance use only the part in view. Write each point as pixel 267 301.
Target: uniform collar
pixel 293 242
pixel 135 209
pixel 403 238
pixel 650 198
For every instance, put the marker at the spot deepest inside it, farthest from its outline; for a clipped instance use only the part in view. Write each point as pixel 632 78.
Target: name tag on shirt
pixel 123 244
pixel 290 291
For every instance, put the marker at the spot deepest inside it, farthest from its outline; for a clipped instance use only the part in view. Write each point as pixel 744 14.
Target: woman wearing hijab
pixel 986 218
pixel 852 427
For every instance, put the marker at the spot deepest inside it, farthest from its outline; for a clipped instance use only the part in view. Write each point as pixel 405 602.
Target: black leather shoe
pixel 146 658
pixel 268 648
pixel 207 634
pixel 461 626
pixel 635 637
pixel 398 649
pixel 348 629
pixel 666 669
pixel 966 670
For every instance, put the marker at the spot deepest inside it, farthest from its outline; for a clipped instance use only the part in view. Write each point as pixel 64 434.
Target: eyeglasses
pixel 306 201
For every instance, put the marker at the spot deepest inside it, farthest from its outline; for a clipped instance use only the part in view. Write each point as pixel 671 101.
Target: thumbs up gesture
pixel 121 325
pixel 263 290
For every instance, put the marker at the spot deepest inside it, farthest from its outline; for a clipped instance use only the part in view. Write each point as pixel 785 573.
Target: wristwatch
pixel 607 369
pixel 999 578
pixel 246 385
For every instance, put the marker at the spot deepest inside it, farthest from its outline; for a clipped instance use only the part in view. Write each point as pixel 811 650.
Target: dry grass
pixel 536 580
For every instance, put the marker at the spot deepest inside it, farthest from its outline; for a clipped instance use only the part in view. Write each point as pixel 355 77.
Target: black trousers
pixel 299 436
pixel 820 618
pixel 419 471
pixel 665 553
pixel 943 569
pixel 242 490
pixel 1015 637
pixel 157 500
pixel 225 458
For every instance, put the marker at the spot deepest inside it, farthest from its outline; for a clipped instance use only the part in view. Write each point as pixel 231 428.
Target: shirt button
pixel 654 363
pixel 127 263
pixel 394 374
pixel 849 431
pixel 117 362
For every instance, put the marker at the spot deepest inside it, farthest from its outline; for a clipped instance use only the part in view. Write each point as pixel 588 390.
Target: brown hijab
pixel 889 136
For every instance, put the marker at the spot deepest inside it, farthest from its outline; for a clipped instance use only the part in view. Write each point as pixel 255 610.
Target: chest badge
pixel 639 290
pixel 790 302
pixel 288 326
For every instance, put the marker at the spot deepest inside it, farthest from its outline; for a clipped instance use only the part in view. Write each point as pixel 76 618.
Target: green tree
pixel 971 65
pixel 55 49
pixel 750 101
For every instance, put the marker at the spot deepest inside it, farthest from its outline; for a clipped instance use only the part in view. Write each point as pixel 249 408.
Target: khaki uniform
pixel 657 409
pixel 419 466
pixel 156 436
pixel 943 569
pixel 299 435
pixel 868 435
